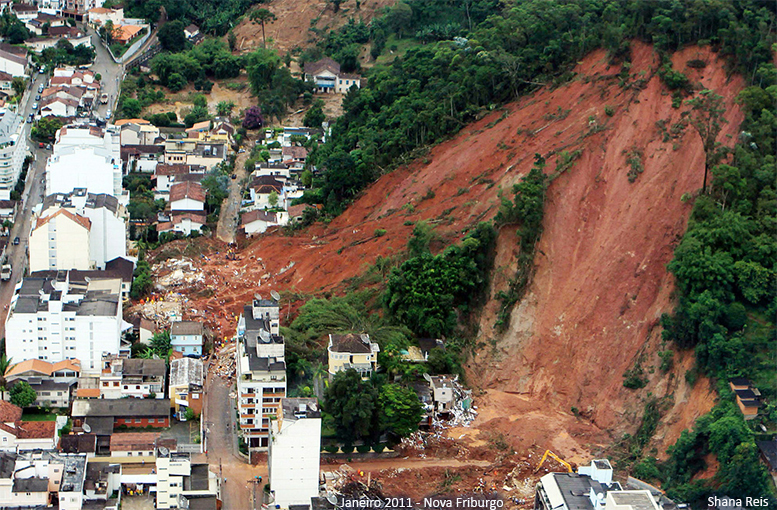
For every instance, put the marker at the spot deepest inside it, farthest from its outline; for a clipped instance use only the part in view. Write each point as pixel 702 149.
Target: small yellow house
pixel 352 351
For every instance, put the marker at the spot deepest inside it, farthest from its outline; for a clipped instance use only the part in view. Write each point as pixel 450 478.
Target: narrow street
pixel 111 72
pixel 219 415
pixel 226 229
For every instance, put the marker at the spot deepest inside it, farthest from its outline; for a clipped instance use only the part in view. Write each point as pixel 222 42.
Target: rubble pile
pixel 223 365
pixel 433 444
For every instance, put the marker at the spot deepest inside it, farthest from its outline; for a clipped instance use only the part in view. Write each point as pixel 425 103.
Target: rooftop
pixel 134 441
pixel 299 408
pixel 135 407
pixel 9 413
pixel 186 328
pixel 186 372
pixel 78 443
pixel 351 342
pixel 188 189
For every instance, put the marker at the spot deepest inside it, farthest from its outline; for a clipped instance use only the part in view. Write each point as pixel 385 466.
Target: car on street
pixel 16 241
pixel 234 176
pixel 37 98
pixel 40 88
pixel 42 70
pixel 34 106
pixel 29 119
pixel 41 145
pixel 108 115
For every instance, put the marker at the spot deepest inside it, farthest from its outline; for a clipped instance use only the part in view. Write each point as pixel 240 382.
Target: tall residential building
pixel 261 371
pixel 295 452
pixel 86 157
pixel 54 318
pixel 78 230
pixel 13 148
pixel 180 481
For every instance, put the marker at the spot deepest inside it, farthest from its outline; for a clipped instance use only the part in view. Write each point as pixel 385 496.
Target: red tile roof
pixel 182 190
pixel 9 413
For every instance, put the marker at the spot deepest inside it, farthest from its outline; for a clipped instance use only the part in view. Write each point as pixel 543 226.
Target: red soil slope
pixel 601 282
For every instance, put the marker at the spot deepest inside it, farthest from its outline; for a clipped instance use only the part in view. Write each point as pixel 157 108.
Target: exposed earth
pixel 601 281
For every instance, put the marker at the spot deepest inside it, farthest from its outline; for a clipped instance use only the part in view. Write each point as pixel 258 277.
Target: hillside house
pixel 187 337
pixel 123 34
pixel 263 188
pixel 443 392
pixel 99 15
pixel 326 77
pixel 191 31
pixel 17 435
pixel 187 380
pixel 352 351
pixel 12 61
pixel 137 132
pixel 37 25
pixel 187 196
pixel 768 452
pixel 748 398
pixel 142 158
pixel 183 222
pixel 167 175
pixel 258 221
pixel 25 12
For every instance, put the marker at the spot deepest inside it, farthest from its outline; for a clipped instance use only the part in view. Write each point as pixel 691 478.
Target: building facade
pixel 261 371
pixel 13 149
pixel 54 319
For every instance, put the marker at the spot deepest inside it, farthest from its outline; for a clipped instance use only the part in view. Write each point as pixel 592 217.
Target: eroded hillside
pixel 601 282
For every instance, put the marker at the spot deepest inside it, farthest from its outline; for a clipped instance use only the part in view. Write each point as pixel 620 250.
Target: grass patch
pixel 399 47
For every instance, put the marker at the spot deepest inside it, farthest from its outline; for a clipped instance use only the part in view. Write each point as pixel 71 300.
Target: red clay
pixel 601 282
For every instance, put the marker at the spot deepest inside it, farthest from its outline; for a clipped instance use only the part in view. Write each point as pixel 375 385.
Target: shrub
pixel 378 448
pixel 379 232
pixel 347 448
pixel 609 111
pixel 331 448
pixel 365 448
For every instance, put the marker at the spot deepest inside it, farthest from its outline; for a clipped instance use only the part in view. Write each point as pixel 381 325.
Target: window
pixel 138 420
pixel 152 420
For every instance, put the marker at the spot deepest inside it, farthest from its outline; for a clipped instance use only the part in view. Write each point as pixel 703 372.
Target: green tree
pixel 45 129
pixel 131 108
pixel 401 409
pixel 314 117
pixel 18 85
pixel 353 404
pixel 399 17
pixel 161 344
pixel 5 364
pixel 273 198
pixel 106 32
pixel 197 114
pixel 176 82
pixel 224 108
pixel 232 40
pixel 707 119
pixel 262 16
pixel 171 36
pixel 22 394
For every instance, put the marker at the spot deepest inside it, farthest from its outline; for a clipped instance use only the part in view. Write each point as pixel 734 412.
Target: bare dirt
pixel 601 282
pixel 292 28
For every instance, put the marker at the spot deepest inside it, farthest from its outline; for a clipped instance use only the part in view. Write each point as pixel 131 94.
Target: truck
pixel 5 271
pixel 104 98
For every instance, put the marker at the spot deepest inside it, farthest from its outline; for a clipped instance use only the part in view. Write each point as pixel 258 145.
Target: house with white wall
pixel 60 241
pixel 294 454
pixel 132 378
pixel 137 132
pixel 327 78
pixel 187 337
pixel 53 382
pixel 167 175
pixel 179 478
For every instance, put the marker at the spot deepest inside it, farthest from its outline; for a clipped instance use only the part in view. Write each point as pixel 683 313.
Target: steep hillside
pixel 601 281
pixel 295 18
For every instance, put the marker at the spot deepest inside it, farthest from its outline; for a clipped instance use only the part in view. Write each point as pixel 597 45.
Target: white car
pixel 34 106
pixel 108 115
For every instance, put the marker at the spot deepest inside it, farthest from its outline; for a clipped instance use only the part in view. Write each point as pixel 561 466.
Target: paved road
pixel 111 72
pixel 219 415
pixel 32 195
pixel 226 228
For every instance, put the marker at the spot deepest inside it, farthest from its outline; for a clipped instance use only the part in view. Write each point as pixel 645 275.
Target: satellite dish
pixel 331 498
pixel 87 428
pixel 275 295
pixel 163 451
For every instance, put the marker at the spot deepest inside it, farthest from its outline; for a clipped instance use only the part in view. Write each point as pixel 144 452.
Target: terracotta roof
pixel 24 8
pixel 200 126
pixel 164 226
pixel 192 28
pixel 13 57
pixel 327 63
pixel 258 215
pixel 350 342
pixel 182 190
pixel 35 429
pixel 295 152
pixel 68 364
pixel 131 121
pixel 9 413
pixel 35 365
pixel 179 217
pixel 5 76
pixel 58 80
pixel 81 220
pixel 166 169
pixel 133 441
pixel 295 211
pixel 100 10
pixel 88 392
pixel 126 32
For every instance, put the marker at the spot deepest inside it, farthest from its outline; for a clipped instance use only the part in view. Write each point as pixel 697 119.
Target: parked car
pixel 29 119
pixel 108 115
pixel 42 70
pixel 40 88
pixel 234 176
pixel 41 145
pixel 16 241
pixel 37 98
pixel 34 106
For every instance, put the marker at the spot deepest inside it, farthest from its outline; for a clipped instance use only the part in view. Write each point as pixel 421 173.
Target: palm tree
pixel 263 16
pixel 320 379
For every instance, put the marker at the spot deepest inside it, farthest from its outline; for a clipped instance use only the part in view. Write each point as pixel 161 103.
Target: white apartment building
pixel 78 230
pixel 60 241
pixel 261 371
pixel 179 479
pixel 53 318
pixel 86 157
pixel 295 452
pixel 13 148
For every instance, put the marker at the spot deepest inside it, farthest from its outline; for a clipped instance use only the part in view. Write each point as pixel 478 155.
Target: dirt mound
pixel 295 18
pixel 601 281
